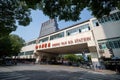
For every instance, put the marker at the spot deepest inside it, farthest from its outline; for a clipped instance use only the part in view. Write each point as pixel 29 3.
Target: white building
pixel 92 36
pixel 27 51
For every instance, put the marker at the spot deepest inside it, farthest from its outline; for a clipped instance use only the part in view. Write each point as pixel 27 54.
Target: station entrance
pixel 52 54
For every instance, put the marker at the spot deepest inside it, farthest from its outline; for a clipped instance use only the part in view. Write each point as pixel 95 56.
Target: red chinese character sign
pixel 64 42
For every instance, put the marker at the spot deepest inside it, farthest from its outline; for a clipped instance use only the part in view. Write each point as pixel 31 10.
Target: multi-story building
pixel 96 37
pixel 27 51
pixel 48 27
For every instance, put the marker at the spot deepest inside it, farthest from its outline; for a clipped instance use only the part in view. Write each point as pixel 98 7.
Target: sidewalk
pixel 103 71
pixel 106 71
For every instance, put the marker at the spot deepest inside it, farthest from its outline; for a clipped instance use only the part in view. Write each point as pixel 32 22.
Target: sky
pixel 32 31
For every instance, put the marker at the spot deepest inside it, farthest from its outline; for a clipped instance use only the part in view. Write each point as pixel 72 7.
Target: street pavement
pixel 53 72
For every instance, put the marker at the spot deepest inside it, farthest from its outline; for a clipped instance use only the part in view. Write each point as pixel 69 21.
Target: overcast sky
pixel 31 31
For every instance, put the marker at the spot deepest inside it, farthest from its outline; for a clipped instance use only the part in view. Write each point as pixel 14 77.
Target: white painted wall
pixel 28 48
pixel 106 31
pixel 71 38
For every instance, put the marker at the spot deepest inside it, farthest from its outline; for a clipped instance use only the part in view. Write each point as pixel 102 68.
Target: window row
pixel 80 29
pixel 29 52
pixel 77 30
pixel 43 40
pixel 112 17
pixel 110 44
pixel 20 54
pixel 26 53
pixel 56 36
pixel 29 43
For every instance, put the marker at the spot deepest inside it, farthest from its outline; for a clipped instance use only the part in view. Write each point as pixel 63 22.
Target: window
pixel 109 19
pixel 28 52
pixel 56 36
pixel 102 20
pixel 85 28
pixel 116 44
pixel 43 40
pixel 20 54
pixel 78 30
pixel 29 43
pixel 73 31
pixel 118 13
pixel 112 17
pixel 95 23
pixel 119 43
pixel 88 27
pixel 68 33
pixel 105 19
pixel 116 16
pixel 110 43
pixel 102 45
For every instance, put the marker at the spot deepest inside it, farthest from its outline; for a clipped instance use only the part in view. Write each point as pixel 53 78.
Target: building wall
pixel 85 37
pixel 27 52
pixel 67 38
pixel 105 32
pixel 28 48
pixel 100 32
pixel 48 27
pixel 117 52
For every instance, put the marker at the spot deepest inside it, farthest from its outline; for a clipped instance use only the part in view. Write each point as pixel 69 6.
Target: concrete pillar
pixel 38 59
pixel 95 60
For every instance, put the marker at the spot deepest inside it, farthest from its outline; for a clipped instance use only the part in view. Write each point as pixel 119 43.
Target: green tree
pixel 80 57
pixel 18 11
pixel 71 9
pixel 11 13
pixel 5 46
pixel 10 45
pixel 71 57
pixel 17 44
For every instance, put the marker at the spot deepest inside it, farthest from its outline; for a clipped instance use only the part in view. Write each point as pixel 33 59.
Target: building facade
pixel 97 37
pixel 48 27
pixel 27 51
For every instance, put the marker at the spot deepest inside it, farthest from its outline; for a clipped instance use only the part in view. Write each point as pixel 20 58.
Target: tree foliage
pixel 71 9
pixel 11 12
pixel 5 46
pixel 10 45
pixel 71 57
pixel 17 43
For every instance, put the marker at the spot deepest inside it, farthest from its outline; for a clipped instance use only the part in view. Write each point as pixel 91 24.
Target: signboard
pixel 63 43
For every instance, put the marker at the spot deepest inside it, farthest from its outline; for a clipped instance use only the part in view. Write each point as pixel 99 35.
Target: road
pixel 52 72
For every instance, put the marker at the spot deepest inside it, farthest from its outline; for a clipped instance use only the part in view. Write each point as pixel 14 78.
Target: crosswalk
pixel 12 76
